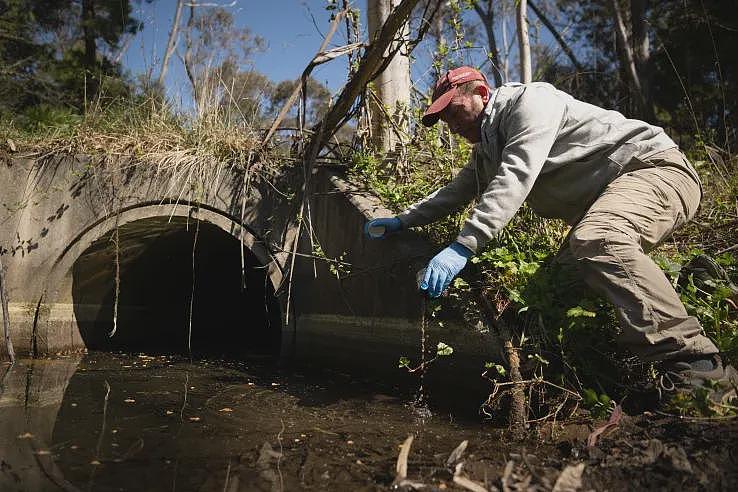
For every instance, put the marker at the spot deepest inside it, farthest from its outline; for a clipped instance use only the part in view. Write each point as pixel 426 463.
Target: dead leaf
pixel 194 419
pixel 26 435
pixel 401 467
pixel 570 479
pixel 614 421
pixel 465 482
pixel 226 409
pixel 129 400
pixel 457 453
pixel 12 146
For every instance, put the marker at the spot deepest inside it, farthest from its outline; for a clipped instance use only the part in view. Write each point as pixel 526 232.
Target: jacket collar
pixel 492 113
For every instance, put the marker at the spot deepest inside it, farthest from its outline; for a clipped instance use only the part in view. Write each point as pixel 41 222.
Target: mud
pixel 121 422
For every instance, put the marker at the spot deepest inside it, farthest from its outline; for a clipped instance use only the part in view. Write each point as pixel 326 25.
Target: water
pixel 122 422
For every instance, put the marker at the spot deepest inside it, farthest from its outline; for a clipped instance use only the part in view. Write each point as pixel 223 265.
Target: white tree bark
pixel 171 43
pixel 526 73
pixel 628 58
pixel 393 85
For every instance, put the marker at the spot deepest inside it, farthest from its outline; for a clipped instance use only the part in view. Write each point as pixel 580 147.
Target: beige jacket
pixel 541 145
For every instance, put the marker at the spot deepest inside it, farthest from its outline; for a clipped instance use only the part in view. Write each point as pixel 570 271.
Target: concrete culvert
pixel 232 315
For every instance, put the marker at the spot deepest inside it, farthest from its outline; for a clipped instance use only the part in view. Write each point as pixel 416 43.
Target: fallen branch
pixel 401 481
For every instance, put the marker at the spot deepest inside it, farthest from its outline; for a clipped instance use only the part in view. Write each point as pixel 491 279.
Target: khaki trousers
pixel 609 247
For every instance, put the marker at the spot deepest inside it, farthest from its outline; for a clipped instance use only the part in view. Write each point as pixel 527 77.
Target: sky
pixel 293 31
pixel 287 26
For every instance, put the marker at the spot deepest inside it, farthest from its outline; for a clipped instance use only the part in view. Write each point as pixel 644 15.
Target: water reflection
pixel 31 393
pixel 110 422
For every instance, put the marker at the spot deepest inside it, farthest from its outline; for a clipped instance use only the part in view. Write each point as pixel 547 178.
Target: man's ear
pixel 483 92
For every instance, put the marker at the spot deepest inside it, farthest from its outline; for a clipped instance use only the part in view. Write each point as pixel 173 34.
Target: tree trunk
pixel 89 59
pixel 189 69
pixel 488 20
pixel 526 73
pixel 171 43
pixel 642 51
pixel 392 86
pixel 627 59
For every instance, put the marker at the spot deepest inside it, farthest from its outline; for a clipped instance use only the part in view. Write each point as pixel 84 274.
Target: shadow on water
pixel 125 422
pixel 231 315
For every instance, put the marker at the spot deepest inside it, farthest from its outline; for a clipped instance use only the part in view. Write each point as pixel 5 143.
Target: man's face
pixel 464 113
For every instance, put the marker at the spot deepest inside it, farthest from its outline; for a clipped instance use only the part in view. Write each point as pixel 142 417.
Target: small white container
pixel 377 231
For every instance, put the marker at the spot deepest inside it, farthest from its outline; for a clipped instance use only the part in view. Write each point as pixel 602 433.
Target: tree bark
pixel 526 73
pixel 642 51
pixel 627 58
pixel 171 43
pixel 557 36
pixel 392 85
pixel 89 59
pixel 488 20
pixel 189 69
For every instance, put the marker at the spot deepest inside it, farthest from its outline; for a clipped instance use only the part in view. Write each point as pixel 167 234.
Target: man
pixel 622 184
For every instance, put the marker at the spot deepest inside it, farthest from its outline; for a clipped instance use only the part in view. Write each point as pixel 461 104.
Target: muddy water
pixel 120 422
pixel 140 423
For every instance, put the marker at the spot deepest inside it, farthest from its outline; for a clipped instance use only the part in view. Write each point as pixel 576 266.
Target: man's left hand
pixel 443 268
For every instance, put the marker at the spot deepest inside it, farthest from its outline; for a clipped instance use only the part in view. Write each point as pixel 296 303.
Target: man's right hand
pixel 380 228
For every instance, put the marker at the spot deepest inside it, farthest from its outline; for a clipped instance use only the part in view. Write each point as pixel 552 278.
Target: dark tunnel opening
pixel 232 315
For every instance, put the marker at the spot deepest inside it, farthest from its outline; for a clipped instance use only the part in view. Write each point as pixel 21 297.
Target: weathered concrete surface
pixel 371 315
pixel 53 210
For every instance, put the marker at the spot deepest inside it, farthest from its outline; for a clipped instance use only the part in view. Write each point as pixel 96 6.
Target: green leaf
pixel 579 312
pixel 497 367
pixel 444 350
pixel 403 362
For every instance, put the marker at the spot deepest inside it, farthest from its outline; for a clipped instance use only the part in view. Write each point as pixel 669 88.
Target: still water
pixel 136 422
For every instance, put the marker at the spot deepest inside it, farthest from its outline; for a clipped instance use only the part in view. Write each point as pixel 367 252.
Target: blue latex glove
pixel 443 268
pixel 390 225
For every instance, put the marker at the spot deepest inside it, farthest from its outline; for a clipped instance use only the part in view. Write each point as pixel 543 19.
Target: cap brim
pixel 432 114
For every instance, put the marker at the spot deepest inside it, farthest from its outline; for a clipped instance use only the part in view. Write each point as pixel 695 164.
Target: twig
pixel 401 466
pixel 728 249
pixel 298 88
pixel 465 482
pixel 6 315
pixel 192 293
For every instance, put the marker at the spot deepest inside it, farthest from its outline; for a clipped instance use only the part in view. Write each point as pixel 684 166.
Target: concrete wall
pixel 371 315
pixel 53 209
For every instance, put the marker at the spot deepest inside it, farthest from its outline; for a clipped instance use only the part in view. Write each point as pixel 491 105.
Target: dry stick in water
pixel 517 395
pixel 192 293
pixel 517 414
pixel 6 316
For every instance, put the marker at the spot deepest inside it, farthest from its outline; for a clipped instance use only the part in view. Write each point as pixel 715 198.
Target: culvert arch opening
pixel 181 290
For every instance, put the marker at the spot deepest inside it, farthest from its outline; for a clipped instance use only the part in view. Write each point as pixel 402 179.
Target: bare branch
pixel 171 43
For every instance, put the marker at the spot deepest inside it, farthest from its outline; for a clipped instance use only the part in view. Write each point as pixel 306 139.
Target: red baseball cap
pixel 446 89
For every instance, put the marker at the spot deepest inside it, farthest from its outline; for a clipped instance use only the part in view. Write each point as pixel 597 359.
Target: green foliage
pixel 443 350
pixel 599 405
pixel 712 301
pixel 61 53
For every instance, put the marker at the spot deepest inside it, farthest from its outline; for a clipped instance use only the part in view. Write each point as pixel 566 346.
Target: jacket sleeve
pixel 444 201
pixel 529 131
